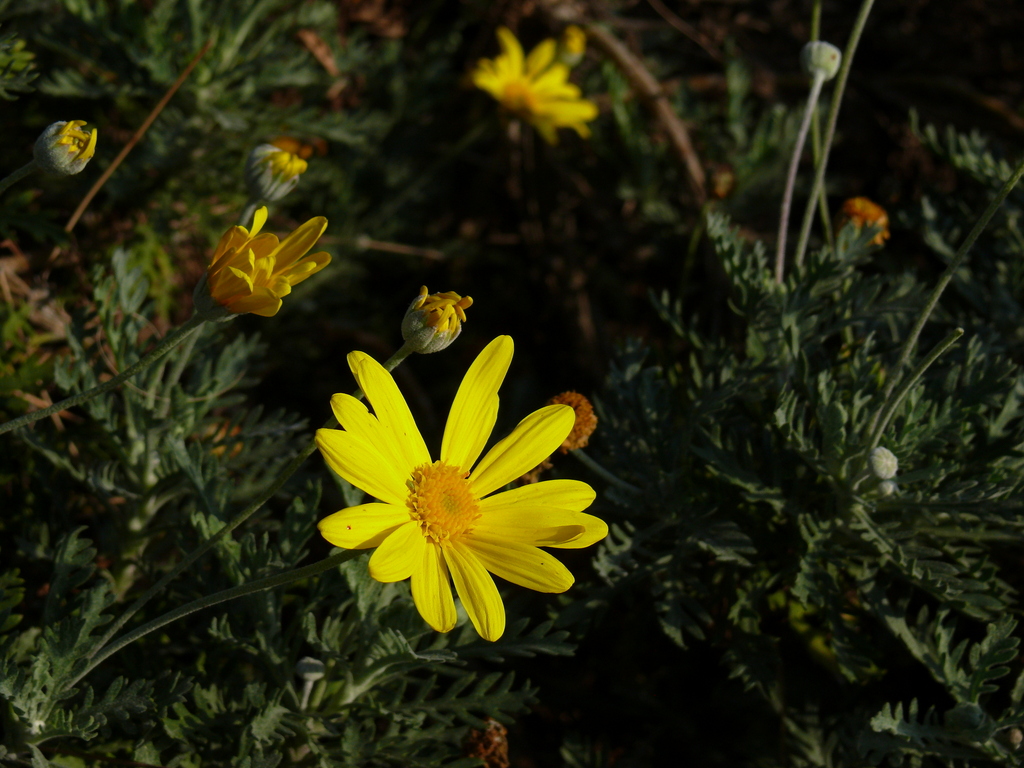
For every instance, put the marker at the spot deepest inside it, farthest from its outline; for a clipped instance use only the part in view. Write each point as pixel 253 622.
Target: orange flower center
pixel 440 499
pixel 518 97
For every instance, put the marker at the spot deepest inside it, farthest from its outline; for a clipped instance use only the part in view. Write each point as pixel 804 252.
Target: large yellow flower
pixel 438 518
pixel 536 88
pixel 250 272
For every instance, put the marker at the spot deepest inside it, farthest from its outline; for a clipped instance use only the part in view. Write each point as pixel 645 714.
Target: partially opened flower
pixel 442 519
pixel 64 148
pixel 272 172
pixel 434 321
pixel 250 272
pixel 535 88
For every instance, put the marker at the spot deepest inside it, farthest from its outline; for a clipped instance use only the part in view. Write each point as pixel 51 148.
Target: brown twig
pixel 131 143
pixel 687 30
pixel 652 94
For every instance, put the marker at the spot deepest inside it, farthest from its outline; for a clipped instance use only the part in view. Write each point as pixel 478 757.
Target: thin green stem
pixel 603 473
pixel 830 127
pixel 18 175
pixel 392 362
pixel 245 220
pixel 241 590
pixel 954 265
pixel 889 409
pixel 816 20
pixel 794 164
pixel 169 342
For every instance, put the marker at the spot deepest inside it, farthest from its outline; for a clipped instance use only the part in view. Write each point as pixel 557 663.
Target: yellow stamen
pixel 444 311
pixel 441 500
pixel 78 142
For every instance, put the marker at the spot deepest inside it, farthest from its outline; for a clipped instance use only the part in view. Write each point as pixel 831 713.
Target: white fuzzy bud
pixel 64 148
pixel 884 464
pixel 272 172
pixel 818 57
pixel 887 488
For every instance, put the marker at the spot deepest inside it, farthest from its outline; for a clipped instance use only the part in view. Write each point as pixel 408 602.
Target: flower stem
pixel 169 342
pixel 794 164
pixel 241 590
pixel 603 473
pixel 830 128
pixel 886 413
pixel 18 175
pixel 245 220
pixel 954 265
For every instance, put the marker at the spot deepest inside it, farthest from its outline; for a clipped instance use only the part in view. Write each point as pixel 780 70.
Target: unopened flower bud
pixel 887 488
pixel 883 463
pixel 571 46
pixel 272 172
pixel 818 57
pixel 309 669
pixel 860 212
pixel 64 148
pixel 434 321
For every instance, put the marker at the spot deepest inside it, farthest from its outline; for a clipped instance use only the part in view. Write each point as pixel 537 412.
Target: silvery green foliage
pixel 16 70
pixel 168 467
pixel 757 526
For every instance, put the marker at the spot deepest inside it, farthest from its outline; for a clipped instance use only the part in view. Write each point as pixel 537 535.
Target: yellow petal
pixel 364 526
pixel 431 590
pixel 519 563
pixel 295 246
pixel 475 407
pixel 353 416
pixel 259 218
pixel 262 302
pixel 476 588
pixel 308 267
pixel 359 462
pixel 391 410
pixel 540 58
pixel 399 554
pixel 594 529
pixel 512 50
pixel 536 526
pixel 534 439
pixel 572 495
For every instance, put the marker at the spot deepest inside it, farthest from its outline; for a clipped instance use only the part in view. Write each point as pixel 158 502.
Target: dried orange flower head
pixel 860 211
pixel 586 420
pixel 489 745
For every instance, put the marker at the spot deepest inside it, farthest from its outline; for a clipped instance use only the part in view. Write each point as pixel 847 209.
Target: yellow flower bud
pixel 64 148
pixel 271 172
pixel 571 46
pixel 434 321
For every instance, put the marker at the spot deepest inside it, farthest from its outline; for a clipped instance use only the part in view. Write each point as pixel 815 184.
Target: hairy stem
pixel 169 342
pixel 18 175
pixel 830 127
pixel 794 164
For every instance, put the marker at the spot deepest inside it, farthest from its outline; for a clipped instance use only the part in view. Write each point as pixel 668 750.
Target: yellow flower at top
pixel 535 88
pixel 861 211
pixel 250 271
pixel 272 172
pixel 441 520
pixel 572 45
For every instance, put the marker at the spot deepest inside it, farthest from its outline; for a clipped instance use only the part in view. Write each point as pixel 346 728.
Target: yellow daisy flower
pixel 535 88
pixel 250 272
pixel 441 519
